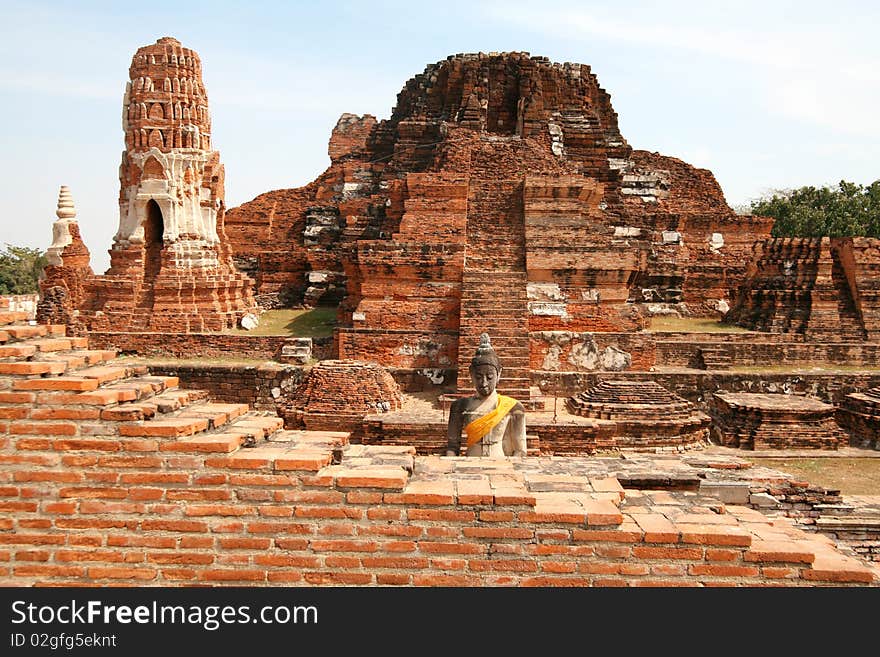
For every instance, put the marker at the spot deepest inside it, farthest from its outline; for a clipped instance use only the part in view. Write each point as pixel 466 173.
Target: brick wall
pixel 698 387
pixel 26 303
pixel 264 387
pixel 574 351
pixel 187 345
pixel 686 354
pixel 135 515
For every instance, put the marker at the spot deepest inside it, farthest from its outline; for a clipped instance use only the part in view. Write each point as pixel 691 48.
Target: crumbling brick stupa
pixel 171 267
pixel 500 196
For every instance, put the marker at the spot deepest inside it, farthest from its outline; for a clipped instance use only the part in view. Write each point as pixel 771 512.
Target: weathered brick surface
pixel 817 288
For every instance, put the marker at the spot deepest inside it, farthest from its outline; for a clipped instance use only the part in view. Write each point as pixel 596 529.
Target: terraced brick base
pixel 111 477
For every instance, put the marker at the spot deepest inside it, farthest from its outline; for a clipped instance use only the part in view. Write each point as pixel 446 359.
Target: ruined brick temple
pixel 499 197
pixel 170 266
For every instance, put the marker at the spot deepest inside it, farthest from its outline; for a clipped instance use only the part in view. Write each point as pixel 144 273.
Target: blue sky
pixel 767 95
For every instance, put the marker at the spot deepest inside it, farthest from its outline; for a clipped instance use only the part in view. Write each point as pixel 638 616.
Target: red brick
pixel 558 566
pixel 30 459
pixel 180 558
pixel 49 571
pixel 208 494
pixel 31 443
pixel 287 560
pixel 101 493
pixel 174 525
pixel 218 510
pixel 139 462
pixel 87 444
pixel 665 553
pixel 59 507
pixel 34 523
pixel 141 541
pixel 18 506
pixel 340 563
pixel 178 574
pixel 337 529
pixel 498 532
pixel 430 547
pixel 607 535
pixel 328 512
pixel 14 413
pixel 392 579
pixel 153 478
pixel 513 565
pixel 287 576
pixel 774 572
pixel 443 532
pixel 717 554
pixel 65 414
pixel 363 497
pixel 43 428
pixel 196 542
pixel 443 515
pixel 143 574
pixel 556 582
pixel 48 475
pixel 261 480
pixel 497 516
pixel 90 506
pixel 90 555
pixel 344 546
pixel 445 580
pixel 276 511
pixel 401 563
pixel 338 578
pixel 279 528
pixel 381 513
pixel 716 570
pixel 32 555
pixel 233 543
pixel 572 550
pixel 230 575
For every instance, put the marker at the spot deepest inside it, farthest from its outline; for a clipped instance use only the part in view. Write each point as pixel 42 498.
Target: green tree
pixel 848 210
pixel 20 269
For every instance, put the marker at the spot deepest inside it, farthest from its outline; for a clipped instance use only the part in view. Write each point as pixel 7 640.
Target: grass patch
pixel 692 325
pixel 295 322
pixel 852 476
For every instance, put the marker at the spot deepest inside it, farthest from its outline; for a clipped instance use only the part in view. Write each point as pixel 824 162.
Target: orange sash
pixel 482 425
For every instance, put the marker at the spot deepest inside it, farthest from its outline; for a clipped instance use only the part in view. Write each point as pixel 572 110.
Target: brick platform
pixel 859 416
pixel 645 414
pixel 758 421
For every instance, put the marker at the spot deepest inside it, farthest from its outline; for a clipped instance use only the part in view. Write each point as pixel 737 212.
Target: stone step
pixel 25 332
pixel 12 316
pixel 17 350
pixel 33 367
pixel 72 383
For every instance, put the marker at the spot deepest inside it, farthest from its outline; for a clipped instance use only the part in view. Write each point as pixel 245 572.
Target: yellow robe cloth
pixel 481 426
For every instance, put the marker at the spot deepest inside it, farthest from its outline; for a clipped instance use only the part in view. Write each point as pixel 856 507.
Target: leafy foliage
pixel 850 210
pixel 20 269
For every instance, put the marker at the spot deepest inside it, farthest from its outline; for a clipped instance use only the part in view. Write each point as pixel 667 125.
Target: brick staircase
pixel 56 393
pixel 714 358
pixel 493 289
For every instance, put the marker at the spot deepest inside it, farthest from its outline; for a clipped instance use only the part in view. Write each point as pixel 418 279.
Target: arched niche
pixel 154 231
pixel 153 170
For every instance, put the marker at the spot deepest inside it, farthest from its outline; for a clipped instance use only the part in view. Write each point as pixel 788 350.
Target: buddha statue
pixel 494 425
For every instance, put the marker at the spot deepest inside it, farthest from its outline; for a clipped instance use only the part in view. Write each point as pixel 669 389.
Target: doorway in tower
pixel 154 230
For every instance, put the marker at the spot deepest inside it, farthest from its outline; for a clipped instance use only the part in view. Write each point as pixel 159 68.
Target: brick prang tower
pixel 170 266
